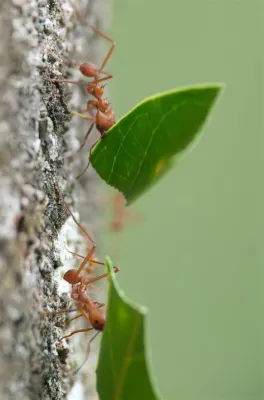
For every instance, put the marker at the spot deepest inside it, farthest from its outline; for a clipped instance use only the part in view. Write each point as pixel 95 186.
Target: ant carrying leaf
pixel 99 109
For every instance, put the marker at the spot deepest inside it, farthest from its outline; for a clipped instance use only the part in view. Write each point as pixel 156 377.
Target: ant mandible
pixel 104 117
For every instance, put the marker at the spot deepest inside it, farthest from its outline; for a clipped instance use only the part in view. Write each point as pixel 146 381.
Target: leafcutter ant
pixel 99 109
pixel 120 214
pixel 89 309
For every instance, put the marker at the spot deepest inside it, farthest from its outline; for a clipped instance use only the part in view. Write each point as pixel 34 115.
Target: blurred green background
pixel 196 258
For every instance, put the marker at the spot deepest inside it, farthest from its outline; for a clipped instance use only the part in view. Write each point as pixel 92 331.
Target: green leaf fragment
pixel 140 148
pixel 122 372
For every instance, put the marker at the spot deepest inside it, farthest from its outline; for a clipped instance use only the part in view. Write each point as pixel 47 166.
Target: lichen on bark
pixel 38 146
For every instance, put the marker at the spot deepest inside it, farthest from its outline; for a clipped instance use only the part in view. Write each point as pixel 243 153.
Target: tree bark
pixel 38 151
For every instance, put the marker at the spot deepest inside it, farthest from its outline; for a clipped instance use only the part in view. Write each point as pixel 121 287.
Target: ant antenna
pixel 73 217
pixel 100 112
pixel 81 17
pixel 86 354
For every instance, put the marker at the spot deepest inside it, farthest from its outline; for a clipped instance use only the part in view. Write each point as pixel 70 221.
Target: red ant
pixel 104 117
pixel 120 214
pixel 89 309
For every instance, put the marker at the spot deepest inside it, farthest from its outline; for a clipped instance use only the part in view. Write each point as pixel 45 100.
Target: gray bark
pixel 38 146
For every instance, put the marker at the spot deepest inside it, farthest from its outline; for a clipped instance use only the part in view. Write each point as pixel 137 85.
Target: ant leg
pixel 93 286
pixel 81 111
pixel 92 250
pixel 75 254
pixel 97 262
pixel 100 305
pixel 109 76
pixel 91 261
pixel 72 319
pixel 87 166
pixel 108 55
pixel 83 117
pixel 77 331
pixel 86 259
pixel 105 73
pixel 68 62
pixel 100 277
pixel 66 81
pixel 43 313
pixel 86 136
pixel 71 63
pixel 74 219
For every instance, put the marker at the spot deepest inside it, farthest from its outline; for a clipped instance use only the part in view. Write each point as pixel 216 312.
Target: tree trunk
pixel 38 151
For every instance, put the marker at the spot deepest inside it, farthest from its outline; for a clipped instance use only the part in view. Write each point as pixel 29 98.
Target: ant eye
pixel 96 321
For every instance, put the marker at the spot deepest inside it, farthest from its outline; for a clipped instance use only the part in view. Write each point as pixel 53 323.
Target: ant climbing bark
pixel 99 109
pixel 88 308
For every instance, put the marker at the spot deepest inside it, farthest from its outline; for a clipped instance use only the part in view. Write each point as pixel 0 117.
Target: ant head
pixel 72 276
pixel 89 70
pixel 97 319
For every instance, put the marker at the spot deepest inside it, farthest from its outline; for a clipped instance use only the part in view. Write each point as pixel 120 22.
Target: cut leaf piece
pixel 138 150
pixel 122 372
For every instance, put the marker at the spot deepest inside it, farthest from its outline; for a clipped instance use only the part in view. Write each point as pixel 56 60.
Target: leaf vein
pixel 111 352
pixel 121 145
pixel 126 360
pixel 150 141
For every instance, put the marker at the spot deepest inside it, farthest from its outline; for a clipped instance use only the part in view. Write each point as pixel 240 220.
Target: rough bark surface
pixel 38 146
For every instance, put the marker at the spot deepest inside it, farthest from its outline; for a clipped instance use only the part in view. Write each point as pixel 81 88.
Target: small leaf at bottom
pixel 122 372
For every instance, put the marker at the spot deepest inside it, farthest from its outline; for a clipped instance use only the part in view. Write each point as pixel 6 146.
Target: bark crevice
pixel 38 142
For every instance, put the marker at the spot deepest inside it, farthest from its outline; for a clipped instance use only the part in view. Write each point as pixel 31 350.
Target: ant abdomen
pixel 97 319
pixel 105 120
